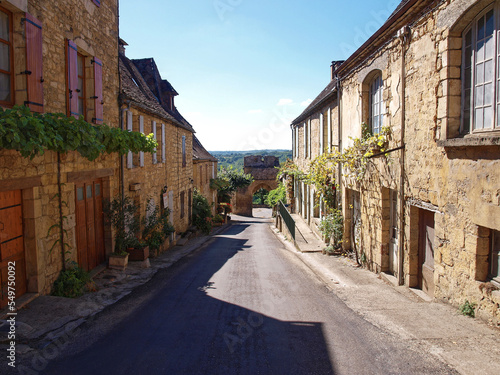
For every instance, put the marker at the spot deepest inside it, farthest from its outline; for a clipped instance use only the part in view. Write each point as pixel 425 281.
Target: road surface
pixel 241 305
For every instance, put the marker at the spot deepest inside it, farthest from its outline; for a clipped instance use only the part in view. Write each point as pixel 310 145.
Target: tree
pixel 228 181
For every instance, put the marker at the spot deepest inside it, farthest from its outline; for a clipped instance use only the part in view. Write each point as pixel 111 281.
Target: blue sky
pixel 244 69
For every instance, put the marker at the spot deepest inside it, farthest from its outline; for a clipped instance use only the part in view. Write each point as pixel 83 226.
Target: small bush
pixel 467 309
pixel 72 282
pixel 332 227
pixel 202 213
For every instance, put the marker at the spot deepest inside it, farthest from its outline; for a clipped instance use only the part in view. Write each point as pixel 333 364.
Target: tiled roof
pixel 158 86
pixel 199 152
pixel 399 7
pixel 133 87
pixel 327 92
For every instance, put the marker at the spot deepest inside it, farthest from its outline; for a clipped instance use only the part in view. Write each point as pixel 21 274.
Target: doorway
pixel 89 224
pixel 426 251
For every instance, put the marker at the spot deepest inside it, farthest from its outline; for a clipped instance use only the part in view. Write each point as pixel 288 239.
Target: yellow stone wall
pixel 95 32
pixel 202 174
pixel 459 182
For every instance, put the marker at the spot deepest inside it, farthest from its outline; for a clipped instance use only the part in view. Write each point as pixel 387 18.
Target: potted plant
pixel 122 214
pixel 156 227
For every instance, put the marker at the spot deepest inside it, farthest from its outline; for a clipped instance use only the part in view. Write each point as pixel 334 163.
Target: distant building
pixel 204 169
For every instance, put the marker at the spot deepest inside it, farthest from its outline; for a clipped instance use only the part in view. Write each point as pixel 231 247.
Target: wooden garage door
pixel 11 243
pixel 89 224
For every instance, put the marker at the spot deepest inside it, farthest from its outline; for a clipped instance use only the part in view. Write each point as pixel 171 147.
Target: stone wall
pixel 203 172
pixel 455 179
pixel 95 31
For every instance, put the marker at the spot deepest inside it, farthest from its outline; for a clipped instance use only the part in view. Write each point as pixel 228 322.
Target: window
pixel 375 103
pixel 154 154
pixel 183 150
pixel 6 73
pixel 163 144
pixel 494 261
pixel 82 86
pixel 480 95
pixel 81 92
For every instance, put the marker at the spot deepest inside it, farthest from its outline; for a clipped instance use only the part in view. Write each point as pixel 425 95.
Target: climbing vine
pixel 33 133
pixel 354 159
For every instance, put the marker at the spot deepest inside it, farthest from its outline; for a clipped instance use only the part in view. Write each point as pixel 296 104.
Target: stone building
pixel 427 210
pixel 62 58
pixel 147 104
pixel 204 169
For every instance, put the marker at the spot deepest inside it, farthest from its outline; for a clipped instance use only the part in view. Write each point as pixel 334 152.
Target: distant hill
pixel 235 158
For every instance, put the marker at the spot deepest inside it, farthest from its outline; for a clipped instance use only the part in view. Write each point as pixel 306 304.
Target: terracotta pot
pixel 118 262
pixel 139 254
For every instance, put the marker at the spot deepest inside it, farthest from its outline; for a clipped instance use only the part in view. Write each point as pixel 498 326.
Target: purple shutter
pixel 72 77
pixel 34 63
pixel 97 2
pixel 98 97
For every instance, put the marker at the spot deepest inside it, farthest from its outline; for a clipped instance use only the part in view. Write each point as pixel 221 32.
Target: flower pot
pixel 118 262
pixel 138 254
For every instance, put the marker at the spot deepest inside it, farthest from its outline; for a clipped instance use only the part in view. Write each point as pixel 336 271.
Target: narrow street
pixel 242 304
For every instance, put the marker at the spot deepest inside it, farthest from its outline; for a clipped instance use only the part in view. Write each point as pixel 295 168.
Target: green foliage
pixel 218 219
pixel 32 133
pixel 124 217
pixel 467 309
pixel 289 168
pixel 156 226
pixel 332 227
pixel 276 195
pixel 71 282
pixel 235 159
pixel 228 181
pixel 260 196
pixel 202 213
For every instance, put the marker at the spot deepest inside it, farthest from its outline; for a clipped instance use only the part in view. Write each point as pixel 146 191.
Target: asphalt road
pixel 241 305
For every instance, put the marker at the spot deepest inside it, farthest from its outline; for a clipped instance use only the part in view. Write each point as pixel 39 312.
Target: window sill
pixel 471 141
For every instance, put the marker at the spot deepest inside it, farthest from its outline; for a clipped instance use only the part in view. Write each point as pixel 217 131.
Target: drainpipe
pixel 403 34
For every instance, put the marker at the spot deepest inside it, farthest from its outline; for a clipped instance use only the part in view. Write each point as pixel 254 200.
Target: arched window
pixel 376 103
pixel 480 90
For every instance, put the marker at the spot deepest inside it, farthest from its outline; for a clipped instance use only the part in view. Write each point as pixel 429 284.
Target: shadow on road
pixel 184 329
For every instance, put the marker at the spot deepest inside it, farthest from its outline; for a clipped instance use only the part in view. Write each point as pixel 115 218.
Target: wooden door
pixel 89 224
pixel 393 243
pixel 426 251
pixel 11 245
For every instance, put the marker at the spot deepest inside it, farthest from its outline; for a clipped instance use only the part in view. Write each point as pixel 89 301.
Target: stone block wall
pixel 95 32
pixel 456 179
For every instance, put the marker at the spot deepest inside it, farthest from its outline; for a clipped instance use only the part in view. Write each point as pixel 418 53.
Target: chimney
pixel 335 65
pixel 121 46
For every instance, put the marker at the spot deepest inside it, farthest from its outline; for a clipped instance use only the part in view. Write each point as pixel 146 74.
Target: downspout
pixel 403 34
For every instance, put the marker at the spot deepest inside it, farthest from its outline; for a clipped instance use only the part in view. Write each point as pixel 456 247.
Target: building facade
pixel 427 209
pixel 204 170
pixel 70 70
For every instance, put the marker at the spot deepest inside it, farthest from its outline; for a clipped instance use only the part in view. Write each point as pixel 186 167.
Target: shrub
pixel 276 195
pixel 202 213
pixel 71 282
pixel 467 309
pixel 332 227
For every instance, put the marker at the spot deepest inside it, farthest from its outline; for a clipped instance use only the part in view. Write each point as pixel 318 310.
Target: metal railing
pixel 287 218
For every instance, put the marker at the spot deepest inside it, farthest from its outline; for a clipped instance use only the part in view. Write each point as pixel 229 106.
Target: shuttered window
pixel 98 95
pixel 34 63
pixel 81 90
pixel 72 78
pixel 6 73
pixel 183 150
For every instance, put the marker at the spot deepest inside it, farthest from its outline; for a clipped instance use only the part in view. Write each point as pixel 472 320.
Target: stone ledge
pixel 472 141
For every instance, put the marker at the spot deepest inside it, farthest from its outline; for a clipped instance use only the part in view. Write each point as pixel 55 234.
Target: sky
pixel 245 69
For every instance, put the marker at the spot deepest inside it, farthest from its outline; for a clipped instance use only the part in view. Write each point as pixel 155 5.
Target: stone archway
pixel 264 170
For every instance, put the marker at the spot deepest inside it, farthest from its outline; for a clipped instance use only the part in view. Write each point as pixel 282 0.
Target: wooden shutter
pixel 34 71
pixel 72 78
pixel 98 97
pixel 97 2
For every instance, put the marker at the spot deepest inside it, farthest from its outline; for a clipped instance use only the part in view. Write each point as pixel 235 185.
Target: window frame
pixel 494 267
pixel 372 94
pixel 82 94
pixel 469 129
pixel 9 43
pixel 184 161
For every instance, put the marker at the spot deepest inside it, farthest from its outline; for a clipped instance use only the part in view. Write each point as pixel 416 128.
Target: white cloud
pixel 285 102
pixel 305 103
pixel 254 111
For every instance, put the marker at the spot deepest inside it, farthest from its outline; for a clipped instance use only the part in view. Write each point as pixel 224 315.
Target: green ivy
pixel 32 133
